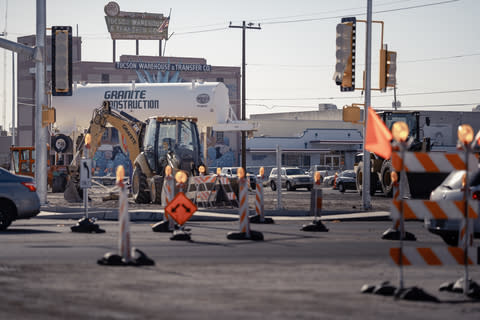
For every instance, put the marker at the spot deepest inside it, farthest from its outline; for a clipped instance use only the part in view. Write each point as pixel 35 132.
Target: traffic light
pixel 344 75
pixel 388 69
pixel 62 61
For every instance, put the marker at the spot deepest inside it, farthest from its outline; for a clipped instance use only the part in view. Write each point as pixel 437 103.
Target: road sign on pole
pixel 85 173
pixel 180 209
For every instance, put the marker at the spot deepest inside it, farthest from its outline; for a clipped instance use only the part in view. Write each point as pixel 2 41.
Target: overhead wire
pixel 358 97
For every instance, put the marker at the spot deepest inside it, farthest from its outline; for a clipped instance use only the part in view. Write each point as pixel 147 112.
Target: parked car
pixel 346 180
pixel 328 180
pixel 291 177
pixel 232 173
pixel 451 189
pixel 18 198
pixel 323 169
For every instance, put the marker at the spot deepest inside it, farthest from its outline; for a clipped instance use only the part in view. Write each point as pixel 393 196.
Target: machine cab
pixel 410 118
pixel 178 144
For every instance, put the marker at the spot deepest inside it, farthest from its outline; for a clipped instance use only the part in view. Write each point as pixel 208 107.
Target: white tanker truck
pixel 206 101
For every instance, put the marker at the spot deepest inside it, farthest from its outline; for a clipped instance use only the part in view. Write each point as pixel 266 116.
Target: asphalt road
pixel 48 272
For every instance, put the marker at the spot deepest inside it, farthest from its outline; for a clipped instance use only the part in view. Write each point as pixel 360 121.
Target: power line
pixel 443 105
pixel 360 64
pixel 380 108
pixel 201 31
pixel 362 13
pixel 358 97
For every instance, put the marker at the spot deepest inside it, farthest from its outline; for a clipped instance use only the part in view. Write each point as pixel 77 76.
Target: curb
pixel 207 215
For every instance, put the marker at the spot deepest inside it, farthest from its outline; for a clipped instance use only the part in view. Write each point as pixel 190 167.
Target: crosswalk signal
pixel 62 61
pixel 388 69
pixel 344 75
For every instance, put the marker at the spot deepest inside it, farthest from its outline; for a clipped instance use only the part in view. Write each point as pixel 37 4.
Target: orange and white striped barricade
pixel 168 192
pixel 433 256
pixel 202 189
pixel 407 209
pixel 245 232
pixel 223 188
pixel 316 199
pixel 259 217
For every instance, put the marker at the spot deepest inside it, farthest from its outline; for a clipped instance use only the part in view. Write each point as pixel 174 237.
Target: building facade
pixel 305 139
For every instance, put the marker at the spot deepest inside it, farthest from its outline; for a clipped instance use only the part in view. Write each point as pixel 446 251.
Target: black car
pixel 346 180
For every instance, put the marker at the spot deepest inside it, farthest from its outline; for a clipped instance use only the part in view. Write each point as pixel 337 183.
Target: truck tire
pixel 156 186
pixel 359 181
pixel 140 190
pixel 59 183
pixel 385 179
pixel 289 186
pixel 373 183
pixel 359 177
pixel 61 143
pixel 273 186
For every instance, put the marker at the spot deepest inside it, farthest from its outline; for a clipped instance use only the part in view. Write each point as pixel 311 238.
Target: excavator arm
pixel 130 129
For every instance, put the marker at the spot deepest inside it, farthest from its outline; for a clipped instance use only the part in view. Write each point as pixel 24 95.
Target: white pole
pixel 279 178
pixel 366 154
pixel 40 100
pixel 4 105
pixel 13 98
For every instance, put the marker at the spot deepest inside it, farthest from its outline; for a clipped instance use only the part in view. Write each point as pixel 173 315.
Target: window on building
pixel 296 160
pixel 219 137
pixel 259 157
pixel 105 78
pixel 220 79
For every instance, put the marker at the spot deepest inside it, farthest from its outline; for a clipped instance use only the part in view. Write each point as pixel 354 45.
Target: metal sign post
pixel 85 178
pixel 279 178
pixel 86 225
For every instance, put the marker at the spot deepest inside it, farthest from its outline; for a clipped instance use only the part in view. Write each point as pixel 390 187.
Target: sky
pixel 291 60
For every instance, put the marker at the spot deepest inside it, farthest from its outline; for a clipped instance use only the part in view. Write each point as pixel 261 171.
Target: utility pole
pixel 13 99
pixel 40 100
pixel 244 136
pixel 366 154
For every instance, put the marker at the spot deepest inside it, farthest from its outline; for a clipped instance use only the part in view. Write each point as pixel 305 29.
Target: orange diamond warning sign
pixel 181 209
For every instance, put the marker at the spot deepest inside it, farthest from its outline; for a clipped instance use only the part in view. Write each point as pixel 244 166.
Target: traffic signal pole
pixel 40 100
pixel 366 155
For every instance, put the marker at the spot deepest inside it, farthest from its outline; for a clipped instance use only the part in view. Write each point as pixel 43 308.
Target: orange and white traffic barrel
pixel 124 244
pixel 168 193
pixel 245 232
pixel 316 206
pixel 243 206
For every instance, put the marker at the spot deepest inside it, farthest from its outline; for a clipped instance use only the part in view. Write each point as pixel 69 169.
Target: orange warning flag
pixel 378 136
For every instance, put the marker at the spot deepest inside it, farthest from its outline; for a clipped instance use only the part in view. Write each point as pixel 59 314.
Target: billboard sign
pixel 124 25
